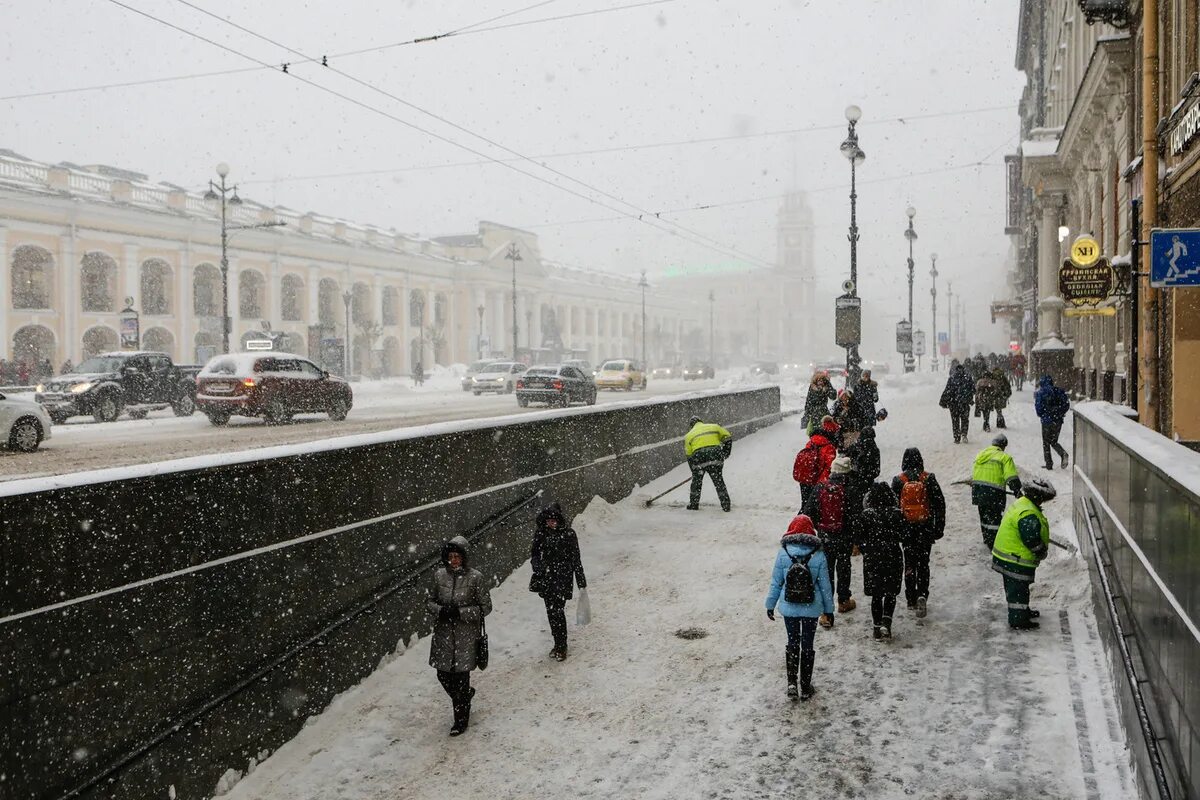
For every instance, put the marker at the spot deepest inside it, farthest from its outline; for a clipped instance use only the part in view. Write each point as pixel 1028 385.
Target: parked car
pixel 662 373
pixel 274 386
pixel 499 377
pixel 794 369
pixel 764 368
pixel 582 365
pixel 555 385
pixel 104 385
pixel 621 373
pixel 24 424
pixel 698 371
pixel 468 381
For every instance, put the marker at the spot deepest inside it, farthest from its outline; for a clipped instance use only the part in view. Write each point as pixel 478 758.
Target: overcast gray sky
pixel 668 72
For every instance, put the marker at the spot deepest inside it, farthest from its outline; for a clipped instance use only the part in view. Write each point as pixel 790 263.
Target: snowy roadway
pixel 957 707
pixel 82 444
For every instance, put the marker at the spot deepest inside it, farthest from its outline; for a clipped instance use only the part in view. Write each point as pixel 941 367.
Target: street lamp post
pixel 950 318
pixel 911 235
pixel 479 343
pixel 855 155
pixel 933 355
pixel 219 192
pixel 712 337
pixel 347 297
pixel 514 255
pixel 643 286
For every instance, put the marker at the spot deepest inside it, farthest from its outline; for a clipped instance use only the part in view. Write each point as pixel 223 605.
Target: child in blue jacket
pixel 801 544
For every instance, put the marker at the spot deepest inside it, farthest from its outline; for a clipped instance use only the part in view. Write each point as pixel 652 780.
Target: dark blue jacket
pixel 1050 402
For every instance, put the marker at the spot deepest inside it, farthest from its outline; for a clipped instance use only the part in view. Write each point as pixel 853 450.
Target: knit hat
pixel 801 524
pixel 828 424
pixel 1000 441
pixel 841 465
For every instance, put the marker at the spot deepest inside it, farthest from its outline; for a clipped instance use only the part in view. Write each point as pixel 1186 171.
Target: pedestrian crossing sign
pixel 1175 257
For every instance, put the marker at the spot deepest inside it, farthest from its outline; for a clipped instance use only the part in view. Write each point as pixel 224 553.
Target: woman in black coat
pixel 879 532
pixel 816 405
pixel 958 397
pixel 557 568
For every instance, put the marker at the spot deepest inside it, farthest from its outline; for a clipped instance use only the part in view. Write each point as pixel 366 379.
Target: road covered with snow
pixel 82 444
pixel 956 706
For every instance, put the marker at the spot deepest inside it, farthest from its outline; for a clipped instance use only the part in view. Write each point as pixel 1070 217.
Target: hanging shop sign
pixel 1088 311
pixel 1086 279
pixel 1184 132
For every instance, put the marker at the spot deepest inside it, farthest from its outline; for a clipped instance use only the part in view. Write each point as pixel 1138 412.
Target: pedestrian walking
pixel 958 396
pixel 845 414
pixel 1021 545
pixel 829 507
pixel 458 599
pixel 879 536
pixel 1016 366
pixel 557 570
pixel 706 446
pixel 993 478
pixel 1003 393
pixel 816 404
pixel 67 366
pixel 1051 404
pixel 987 397
pixel 801 593
pixel 865 399
pixel 864 455
pixel 923 508
pixel 23 372
pixel 815 459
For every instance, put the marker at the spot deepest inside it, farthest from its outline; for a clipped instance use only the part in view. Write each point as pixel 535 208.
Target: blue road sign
pixel 1175 257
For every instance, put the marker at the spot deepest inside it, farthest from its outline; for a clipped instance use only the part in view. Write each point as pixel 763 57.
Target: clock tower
pixel 794 255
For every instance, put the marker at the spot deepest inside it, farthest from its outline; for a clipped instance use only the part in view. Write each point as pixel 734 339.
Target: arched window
pixel 31 277
pixel 33 344
pixel 159 340
pixel 100 339
pixel 206 291
pixel 416 308
pixel 251 293
pixel 441 308
pixel 98 282
pixel 327 301
pixel 156 287
pixel 291 298
pixel 389 315
pixel 360 305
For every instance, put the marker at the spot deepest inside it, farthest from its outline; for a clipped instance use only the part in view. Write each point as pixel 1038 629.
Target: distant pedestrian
pixel 958 396
pixel 1016 366
pixel 1051 404
pixel 866 397
pixel 879 535
pixel 923 507
pixel 801 592
pixel 987 398
pixel 993 478
pixel 829 507
pixel 816 404
pixel 706 446
pixel 1003 394
pixel 45 370
pixel 557 569
pixel 845 414
pixel 67 366
pixel 1021 545
pixel 814 461
pixel 24 371
pixel 864 455
pixel 418 374
pixel 459 600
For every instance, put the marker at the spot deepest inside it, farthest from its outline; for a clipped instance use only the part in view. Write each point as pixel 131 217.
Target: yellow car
pixel 621 373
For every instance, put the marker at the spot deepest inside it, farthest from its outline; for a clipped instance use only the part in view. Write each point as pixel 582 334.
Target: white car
pixel 23 423
pixel 499 377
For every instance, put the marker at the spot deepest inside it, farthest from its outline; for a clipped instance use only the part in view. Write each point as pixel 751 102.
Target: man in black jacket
pixel 958 397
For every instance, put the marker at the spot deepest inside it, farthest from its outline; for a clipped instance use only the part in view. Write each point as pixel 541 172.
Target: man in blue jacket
pixel 1051 404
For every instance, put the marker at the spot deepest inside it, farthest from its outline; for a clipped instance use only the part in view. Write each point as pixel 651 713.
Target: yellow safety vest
pixel 1009 547
pixel 704 434
pixel 994 468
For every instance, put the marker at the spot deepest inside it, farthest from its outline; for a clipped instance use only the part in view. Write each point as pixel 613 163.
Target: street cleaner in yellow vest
pixel 1021 544
pixel 994 476
pixel 707 445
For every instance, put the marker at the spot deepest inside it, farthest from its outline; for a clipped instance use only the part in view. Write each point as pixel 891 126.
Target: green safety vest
pixel 704 434
pixel 1008 547
pixel 994 468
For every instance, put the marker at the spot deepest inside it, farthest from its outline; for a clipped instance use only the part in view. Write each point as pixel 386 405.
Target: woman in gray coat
pixel 459 600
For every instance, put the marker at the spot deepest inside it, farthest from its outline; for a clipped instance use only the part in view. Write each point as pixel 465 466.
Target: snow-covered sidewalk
pixel 957 707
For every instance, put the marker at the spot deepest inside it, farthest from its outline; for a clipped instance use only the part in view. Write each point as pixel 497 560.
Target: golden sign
pixel 1085 251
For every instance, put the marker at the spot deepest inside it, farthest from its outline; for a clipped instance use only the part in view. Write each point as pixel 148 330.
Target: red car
pixel 274 386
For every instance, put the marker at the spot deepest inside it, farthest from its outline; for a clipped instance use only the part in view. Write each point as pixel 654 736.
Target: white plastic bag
pixel 583 609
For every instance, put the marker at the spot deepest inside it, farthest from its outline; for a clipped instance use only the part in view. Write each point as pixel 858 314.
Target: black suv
pixel 104 385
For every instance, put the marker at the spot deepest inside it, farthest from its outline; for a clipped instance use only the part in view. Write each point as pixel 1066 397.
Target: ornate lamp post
pixel 933 355
pixel 643 286
pixel 514 255
pixel 347 297
pixel 855 155
pixel 712 337
pixel 911 235
pixel 480 311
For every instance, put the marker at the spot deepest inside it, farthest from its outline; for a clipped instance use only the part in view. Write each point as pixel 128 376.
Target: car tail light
pixel 520 384
pixel 558 385
pixel 249 383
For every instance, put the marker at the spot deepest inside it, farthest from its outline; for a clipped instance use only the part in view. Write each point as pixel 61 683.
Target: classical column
pixel 274 296
pixel 69 307
pixel 185 318
pixel 235 307
pixel 130 286
pixel 1051 355
pixel 5 294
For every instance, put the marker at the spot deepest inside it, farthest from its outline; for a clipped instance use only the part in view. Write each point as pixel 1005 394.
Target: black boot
pixel 792 657
pixel 807 659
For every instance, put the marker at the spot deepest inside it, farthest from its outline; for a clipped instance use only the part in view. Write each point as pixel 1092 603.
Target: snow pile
pixel 958 705
pixel 370 393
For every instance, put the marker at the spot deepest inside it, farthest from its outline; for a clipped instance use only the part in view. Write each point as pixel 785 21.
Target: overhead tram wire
pixel 721 249
pixel 644 216
pixel 464 31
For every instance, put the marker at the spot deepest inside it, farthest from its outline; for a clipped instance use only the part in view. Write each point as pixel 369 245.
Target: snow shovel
pixel 668 491
pixel 1070 548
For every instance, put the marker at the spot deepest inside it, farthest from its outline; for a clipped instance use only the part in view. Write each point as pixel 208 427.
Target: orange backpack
pixel 914 498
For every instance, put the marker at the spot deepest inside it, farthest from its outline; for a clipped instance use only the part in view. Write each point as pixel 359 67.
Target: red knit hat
pixel 829 425
pixel 801 524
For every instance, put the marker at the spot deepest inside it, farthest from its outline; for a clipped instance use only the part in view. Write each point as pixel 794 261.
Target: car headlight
pixel 80 388
pixel 39 388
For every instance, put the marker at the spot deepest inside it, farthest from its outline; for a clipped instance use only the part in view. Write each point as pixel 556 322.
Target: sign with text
pixel 919 343
pixel 847 323
pixel 943 340
pixel 1086 286
pixel 904 337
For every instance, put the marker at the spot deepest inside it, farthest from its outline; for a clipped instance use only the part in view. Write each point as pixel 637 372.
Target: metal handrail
pixel 1139 701
pixel 110 772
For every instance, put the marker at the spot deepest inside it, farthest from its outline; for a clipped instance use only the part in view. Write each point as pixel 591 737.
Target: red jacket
pixel 827 453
